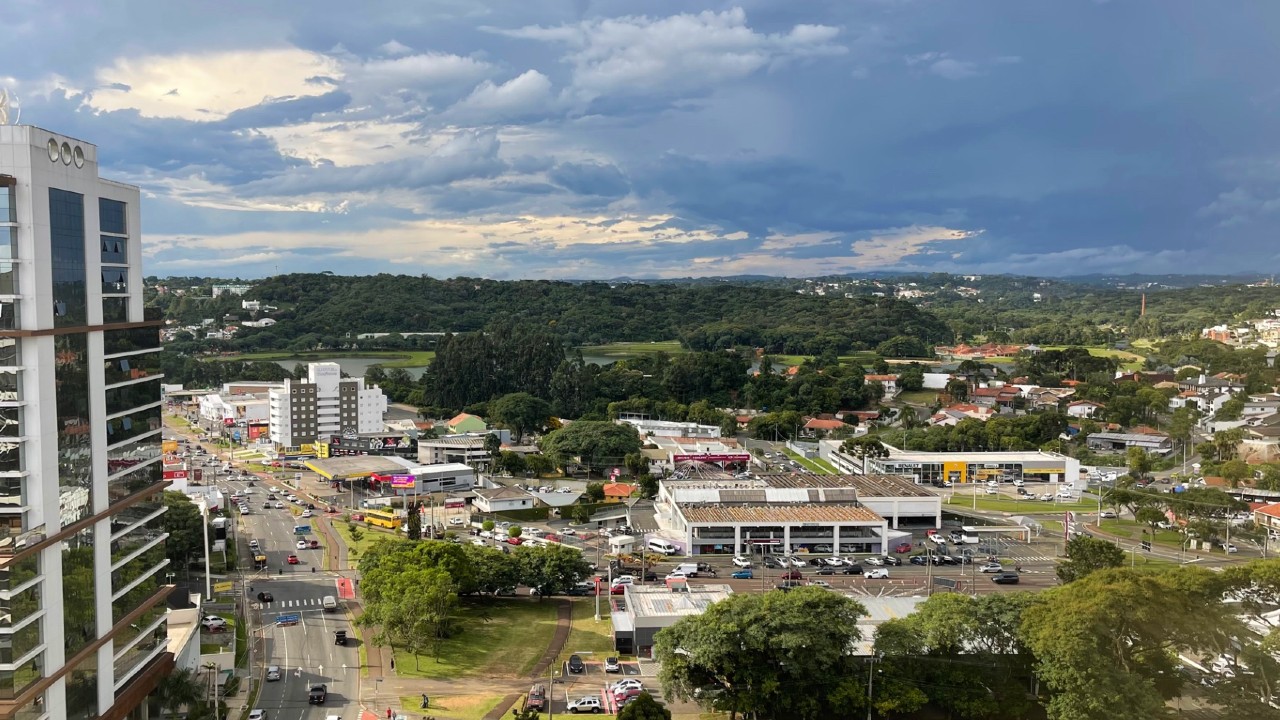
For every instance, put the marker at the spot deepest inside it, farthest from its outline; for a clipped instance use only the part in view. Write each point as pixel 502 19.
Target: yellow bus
pixel 383 518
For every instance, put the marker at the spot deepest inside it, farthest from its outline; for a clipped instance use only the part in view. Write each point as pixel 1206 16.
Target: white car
pixel 291 497
pixel 877 574
pixel 875 560
pixel 301 545
pixel 992 568
pixel 626 684
pixel 833 562
pixel 569 531
pixel 275 489
pixel 625 580
pixel 1232 548
pixel 820 583
pixel 306 513
pixel 279 505
pixel 674 575
pixel 486 534
pixel 589 703
pixel 992 491
pixel 1107 514
pixel 992 483
pixel 456 521
pixel 257 714
pixel 797 562
pixel 741 562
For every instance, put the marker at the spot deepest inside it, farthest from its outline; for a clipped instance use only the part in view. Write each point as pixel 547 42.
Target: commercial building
pixel 666 428
pixel 400 444
pixel 427 479
pixel 323 405
pixel 646 609
pixel 466 449
pixel 82 547
pixel 932 468
pixel 218 410
pixel 830 514
pixel 685 453
pixel 1120 442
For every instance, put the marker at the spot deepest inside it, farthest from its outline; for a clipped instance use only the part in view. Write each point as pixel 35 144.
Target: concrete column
pixel 786 539
pixel 884 537
pixel 737 540
pixel 835 539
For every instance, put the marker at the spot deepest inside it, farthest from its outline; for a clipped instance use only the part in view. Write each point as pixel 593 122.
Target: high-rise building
pixel 82 545
pixel 323 405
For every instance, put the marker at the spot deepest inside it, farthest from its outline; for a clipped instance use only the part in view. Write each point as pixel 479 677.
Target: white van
pixel 659 545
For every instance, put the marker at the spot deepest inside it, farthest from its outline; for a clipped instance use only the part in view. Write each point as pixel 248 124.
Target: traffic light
pixel 1146 545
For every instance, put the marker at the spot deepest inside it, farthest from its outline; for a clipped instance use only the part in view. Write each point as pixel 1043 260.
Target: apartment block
pixel 325 404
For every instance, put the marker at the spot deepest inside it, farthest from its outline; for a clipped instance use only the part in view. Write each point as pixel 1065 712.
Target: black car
pixel 825 570
pixel 1005 578
pixel 311 506
pixel 266 597
pixel 918 560
pixel 576 666
pixel 651 577
pixel 854 570
pixel 317 694
pixel 339 637
pixel 891 560
pixel 948 560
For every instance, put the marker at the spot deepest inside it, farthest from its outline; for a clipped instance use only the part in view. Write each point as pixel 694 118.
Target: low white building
pixel 220 409
pixel 666 428
pixel 496 500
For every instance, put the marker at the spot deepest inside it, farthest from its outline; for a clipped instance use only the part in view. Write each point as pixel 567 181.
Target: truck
pixel 317 694
pixel 964 539
pixel 686 569
pixel 536 699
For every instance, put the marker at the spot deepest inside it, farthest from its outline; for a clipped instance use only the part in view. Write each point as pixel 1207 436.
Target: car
pixel 273 489
pixel 279 505
pixel 624 580
pixel 515 541
pixel 677 575
pixel 293 559
pixel 877 574
pixel 457 521
pixel 792 575
pixel 741 562
pixel 903 547
pixel 1005 578
pixel 273 673
pixel 1046 496
pixel 266 597
pixel 257 714
pixel 317 694
pixel 575 665
pixel 213 620
pixel 306 514
pixel 875 560
pixel 852 570
pixel 272 495
pixel 618 590
pixel 742 574
pixel 291 497
pixel 314 544
pixel 254 544
pixel 890 560
pixel 626 683
pixel 301 544
pixel 587 703
pixel 1107 514
pixel 797 562
pixel 1231 548
pixel 772 562
pixel 992 484
pixel 992 567
pixel 311 506
pixel 827 571
pixel 569 531
pixel 820 583
pixel 992 491
pixel 611 665
pixel 918 560
pixel 340 637
pixel 833 562
pixel 622 697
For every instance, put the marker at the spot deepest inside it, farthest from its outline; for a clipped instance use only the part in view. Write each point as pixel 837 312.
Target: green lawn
pixel 357 548
pixel 452 707
pixel 394 358
pixel 918 397
pixel 1132 529
pixel 863 358
pixel 499 638
pixel 963 499
pixel 1128 360
pixel 623 350
pixel 811 465
pixel 588 634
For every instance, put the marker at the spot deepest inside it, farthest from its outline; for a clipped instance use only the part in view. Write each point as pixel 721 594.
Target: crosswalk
pixel 308 602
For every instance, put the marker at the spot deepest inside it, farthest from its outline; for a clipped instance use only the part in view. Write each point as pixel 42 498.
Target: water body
pixel 352 365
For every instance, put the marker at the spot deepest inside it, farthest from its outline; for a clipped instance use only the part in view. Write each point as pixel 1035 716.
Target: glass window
pixel 115 281
pixel 10 388
pixel 133 367
pixel 8 205
pixel 9 311
pixel 8 346
pixel 126 544
pixel 128 662
pixel 111 216
pixel 10 421
pixel 132 483
pixel 124 398
pixel 145 564
pixel 66 237
pixel 10 457
pixel 115 309
pixel 113 250
pixel 133 453
pixel 125 635
pixel 33 710
pixel 135 513
pixel 75 460
pixel 13 682
pixel 122 341
pixel 78 597
pixel 132 600
pixel 12 491
pixel 14 646
pixel 82 689
pixel 8 278
pixel 20 606
pixel 8 243
pixel 132 425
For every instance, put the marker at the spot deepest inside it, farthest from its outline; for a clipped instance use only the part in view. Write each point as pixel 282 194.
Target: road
pixel 305 652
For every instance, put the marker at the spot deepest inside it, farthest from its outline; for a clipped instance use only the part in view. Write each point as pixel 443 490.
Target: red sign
pixel 228 421
pixel 175 474
pixel 451 503
pixel 709 457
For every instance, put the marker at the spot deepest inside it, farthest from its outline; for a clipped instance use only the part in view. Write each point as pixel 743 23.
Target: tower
pixel 82 547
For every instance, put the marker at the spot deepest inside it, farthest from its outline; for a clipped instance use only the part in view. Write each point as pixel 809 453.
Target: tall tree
pixel 414 526
pixel 597 444
pixel 520 412
pixel 1087 555
pixel 184 524
pixel 551 569
pixel 644 707
pixel 765 655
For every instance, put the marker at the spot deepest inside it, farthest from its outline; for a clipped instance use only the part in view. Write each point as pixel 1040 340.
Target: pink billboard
pixel 403 481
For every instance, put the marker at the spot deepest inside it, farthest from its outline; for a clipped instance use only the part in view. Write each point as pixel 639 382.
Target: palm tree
pixel 181 688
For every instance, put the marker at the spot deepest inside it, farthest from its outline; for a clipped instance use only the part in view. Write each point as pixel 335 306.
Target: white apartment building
pixel 82 548
pixel 325 404
pixel 217 409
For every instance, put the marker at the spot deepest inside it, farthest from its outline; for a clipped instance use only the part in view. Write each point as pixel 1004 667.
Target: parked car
pixel 588 703
pixel 874 561
pixel 742 574
pixel 611 665
pixel 903 547
pixel 772 562
pixel 257 714
pixel 741 562
pixel 877 574
pixel 1005 578
pixel 797 562
pixel 457 521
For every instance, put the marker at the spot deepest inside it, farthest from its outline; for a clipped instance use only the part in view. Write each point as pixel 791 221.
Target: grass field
pixel 452 707
pixel 356 549
pixel 1128 360
pixel 588 635
pixel 864 358
pixel 502 638
pixel 1132 529
pixel 963 499
pixel 818 466
pixel 394 358
pixel 622 350
pixel 918 397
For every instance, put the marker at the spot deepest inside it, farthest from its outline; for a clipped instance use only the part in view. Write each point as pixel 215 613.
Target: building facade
pixel 82 547
pixel 936 468
pixel 324 405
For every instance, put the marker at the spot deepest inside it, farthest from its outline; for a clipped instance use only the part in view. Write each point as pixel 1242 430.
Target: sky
pixel 597 139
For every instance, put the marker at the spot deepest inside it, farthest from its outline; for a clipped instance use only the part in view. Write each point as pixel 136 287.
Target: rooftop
pixel 501 493
pixel 896 455
pixel 866 485
pixel 659 601
pixel 778 513
pixel 359 465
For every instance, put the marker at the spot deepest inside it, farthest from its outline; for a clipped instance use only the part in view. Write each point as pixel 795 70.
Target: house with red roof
pixel 618 492
pixel 1268 516
pixel 819 427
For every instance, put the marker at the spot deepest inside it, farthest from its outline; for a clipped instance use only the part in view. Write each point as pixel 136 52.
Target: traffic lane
pixel 307 654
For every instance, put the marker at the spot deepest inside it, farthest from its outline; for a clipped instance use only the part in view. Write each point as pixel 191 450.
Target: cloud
pixel 678 55
pixel 590 179
pixel 392 47
pixel 526 95
pixel 208 86
pixel 944 66
pixel 424 71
